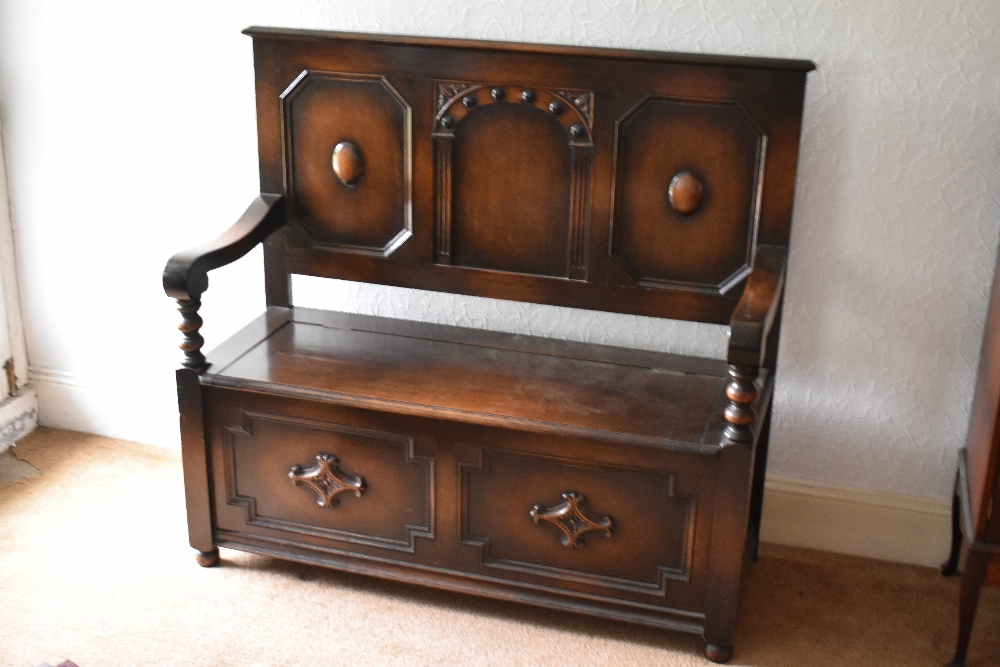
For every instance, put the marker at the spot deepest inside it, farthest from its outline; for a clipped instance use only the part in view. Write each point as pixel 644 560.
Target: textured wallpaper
pixel 130 134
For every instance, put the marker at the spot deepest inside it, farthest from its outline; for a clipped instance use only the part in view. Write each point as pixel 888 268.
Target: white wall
pixel 130 135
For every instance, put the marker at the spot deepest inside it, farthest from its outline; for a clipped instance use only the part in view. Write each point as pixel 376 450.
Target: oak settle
pixel 621 483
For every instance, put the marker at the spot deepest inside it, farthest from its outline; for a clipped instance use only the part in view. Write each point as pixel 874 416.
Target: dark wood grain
pixel 623 483
pixel 195 461
pixel 708 246
pixel 754 315
pixel 190 327
pixel 185 277
pixel 186 274
pixel 685 192
pixel 277 277
pixel 511 191
pixel 535 49
pixel 348 164
pixel 370 211
pixel 730 549
pixel 208 558
pixel 608 396
pixel 246 338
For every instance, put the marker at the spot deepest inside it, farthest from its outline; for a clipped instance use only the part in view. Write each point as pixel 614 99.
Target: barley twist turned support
pixel 741 393
pixel 190 324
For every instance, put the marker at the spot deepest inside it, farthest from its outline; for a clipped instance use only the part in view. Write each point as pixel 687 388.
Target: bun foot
pixel 207 558
pixel 717 653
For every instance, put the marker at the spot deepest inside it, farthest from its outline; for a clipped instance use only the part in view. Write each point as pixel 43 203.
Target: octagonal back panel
pixel 357 200
pixel 714 150
pixel 631 182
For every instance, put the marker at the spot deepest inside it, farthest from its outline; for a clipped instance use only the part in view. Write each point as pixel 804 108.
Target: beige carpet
pixel 95 567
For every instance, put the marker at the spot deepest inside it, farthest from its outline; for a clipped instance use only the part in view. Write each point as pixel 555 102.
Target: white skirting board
pixel 857 522
pixel 18 417
pixel 796 513
pixel 146 414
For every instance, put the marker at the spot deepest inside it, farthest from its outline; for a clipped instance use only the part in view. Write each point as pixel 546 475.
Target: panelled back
pixel 623 181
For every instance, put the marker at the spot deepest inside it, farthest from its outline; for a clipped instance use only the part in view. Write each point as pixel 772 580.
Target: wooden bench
pixel 621 483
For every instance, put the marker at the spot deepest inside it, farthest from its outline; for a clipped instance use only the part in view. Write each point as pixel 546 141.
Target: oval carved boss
pixel 347 163
pixel 685 193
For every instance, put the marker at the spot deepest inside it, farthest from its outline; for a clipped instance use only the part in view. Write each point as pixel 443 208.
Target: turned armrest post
pixel 185 277
pixel 190 324
pixel 740 414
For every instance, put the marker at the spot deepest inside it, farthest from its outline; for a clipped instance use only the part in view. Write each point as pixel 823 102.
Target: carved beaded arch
pixel 573 109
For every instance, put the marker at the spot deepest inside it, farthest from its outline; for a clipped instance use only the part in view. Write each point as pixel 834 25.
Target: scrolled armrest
pixel 754 315
pixel 749 327
pixel 185 277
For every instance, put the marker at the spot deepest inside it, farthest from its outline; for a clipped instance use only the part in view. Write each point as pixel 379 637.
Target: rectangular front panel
pixel 587 517
pixel 567 519
pixel 282 472
pixel 580 178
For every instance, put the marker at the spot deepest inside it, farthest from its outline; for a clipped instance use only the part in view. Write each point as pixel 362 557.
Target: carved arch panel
pixel 513 178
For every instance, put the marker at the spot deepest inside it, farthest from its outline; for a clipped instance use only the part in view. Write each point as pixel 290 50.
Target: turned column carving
pixel 741 392
pixel 190 324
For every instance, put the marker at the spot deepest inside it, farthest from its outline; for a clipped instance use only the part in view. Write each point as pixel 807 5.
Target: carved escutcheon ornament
pixel 327 479
pixel 572 519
